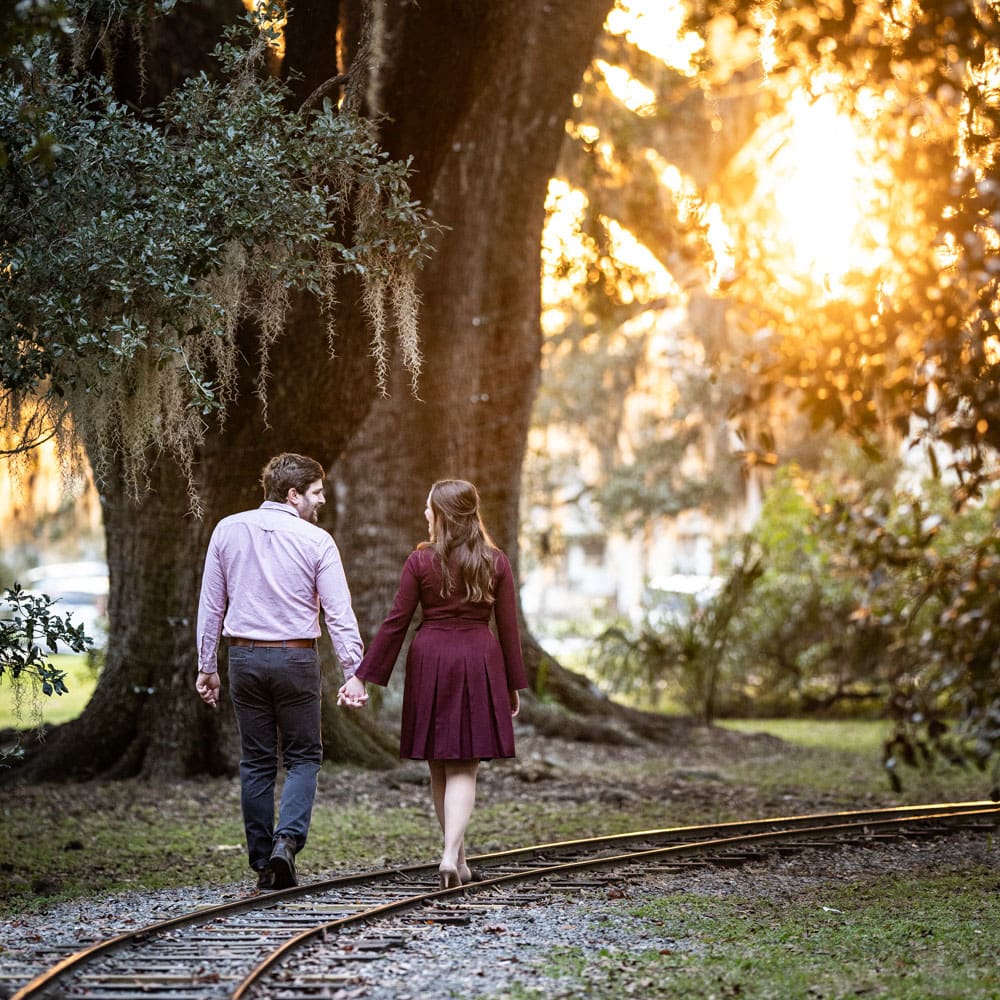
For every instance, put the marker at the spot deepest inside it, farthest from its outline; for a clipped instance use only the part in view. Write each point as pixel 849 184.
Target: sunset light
pixel 626 249
pixel 565 252
pixel 656 27
pixel 569 258
pixel 816 201
pixel 632 93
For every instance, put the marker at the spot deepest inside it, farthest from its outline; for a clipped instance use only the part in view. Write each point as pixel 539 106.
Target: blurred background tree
pixel 841 186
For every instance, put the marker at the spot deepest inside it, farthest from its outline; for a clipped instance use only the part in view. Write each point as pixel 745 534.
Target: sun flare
pixel 816 196
pixel 657 27
pixel 817 200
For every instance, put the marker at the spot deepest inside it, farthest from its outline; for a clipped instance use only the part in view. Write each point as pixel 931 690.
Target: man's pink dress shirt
pixel 267 574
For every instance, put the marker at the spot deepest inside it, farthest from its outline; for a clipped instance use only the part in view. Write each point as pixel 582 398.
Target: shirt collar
pixel 286 508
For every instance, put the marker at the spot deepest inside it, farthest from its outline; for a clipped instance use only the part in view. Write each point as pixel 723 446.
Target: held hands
pixel 353 694
pixel 207 686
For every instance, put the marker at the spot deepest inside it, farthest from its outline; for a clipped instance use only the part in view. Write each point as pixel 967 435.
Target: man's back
pixel 271 559
pixel 268 573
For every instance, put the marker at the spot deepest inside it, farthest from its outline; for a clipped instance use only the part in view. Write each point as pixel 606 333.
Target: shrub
pixel 29 634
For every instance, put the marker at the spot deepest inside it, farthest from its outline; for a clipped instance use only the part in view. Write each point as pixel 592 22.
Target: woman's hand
pixel 353 694
pixel 515 702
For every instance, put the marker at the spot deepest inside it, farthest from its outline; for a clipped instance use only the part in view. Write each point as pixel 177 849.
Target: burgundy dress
pixel 456 704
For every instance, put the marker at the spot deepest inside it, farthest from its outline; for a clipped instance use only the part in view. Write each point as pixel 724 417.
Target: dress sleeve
pixel 384 650
pixel 505 612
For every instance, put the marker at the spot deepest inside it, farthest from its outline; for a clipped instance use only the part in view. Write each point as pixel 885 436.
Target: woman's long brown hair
pixel 460 540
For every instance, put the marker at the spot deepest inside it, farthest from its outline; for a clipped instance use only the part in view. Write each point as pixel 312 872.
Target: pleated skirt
pixel 455 700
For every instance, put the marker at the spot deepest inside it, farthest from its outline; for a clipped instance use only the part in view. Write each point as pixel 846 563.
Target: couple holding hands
pixel 267 573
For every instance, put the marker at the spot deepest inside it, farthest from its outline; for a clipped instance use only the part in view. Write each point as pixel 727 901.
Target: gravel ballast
pixel 501 945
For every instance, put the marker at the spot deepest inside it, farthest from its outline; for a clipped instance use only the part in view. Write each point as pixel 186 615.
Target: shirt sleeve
pixel 211 608
pixel 335 599
pixel 384 650
pixel 509 635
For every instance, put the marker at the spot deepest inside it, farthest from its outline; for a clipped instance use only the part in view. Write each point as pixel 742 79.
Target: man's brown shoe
pixel 282 863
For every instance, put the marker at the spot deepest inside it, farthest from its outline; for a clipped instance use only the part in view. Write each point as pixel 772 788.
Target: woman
pixel 461 686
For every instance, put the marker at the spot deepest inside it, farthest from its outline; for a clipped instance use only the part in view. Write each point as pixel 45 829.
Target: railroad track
pixel 240 949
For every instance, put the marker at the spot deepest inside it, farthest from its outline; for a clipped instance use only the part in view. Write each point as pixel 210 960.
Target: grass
pixel 905 938
pixel 912 938
pixel 836 755
pixel 80 679
pixel 58 842
pixel 860 735
pixel 62 841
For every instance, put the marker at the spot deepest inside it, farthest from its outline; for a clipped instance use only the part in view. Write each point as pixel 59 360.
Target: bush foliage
pixel 858 598
pixel 29 634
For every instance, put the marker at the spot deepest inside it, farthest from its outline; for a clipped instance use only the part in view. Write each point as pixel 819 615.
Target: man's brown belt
pixel 268 643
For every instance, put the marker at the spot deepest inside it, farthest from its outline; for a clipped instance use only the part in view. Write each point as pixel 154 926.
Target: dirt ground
pixel 698 777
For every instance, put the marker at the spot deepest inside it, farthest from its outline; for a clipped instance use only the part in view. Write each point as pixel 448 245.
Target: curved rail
pixel 798 826
pixel 377 894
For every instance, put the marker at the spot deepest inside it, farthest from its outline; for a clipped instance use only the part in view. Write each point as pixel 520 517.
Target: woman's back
pixel 442 607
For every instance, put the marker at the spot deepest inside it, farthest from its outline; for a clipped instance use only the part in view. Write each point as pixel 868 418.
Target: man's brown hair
pixel 289 471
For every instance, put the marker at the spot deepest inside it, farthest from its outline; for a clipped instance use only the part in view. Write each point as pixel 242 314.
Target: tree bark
pixel 478 96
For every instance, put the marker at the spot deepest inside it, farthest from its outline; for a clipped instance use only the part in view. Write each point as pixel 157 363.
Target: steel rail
pixel 826 831
pixel 681 843
pixel 804 819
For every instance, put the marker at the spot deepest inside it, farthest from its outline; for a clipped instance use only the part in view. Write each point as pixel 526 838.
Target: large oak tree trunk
pixel 478 95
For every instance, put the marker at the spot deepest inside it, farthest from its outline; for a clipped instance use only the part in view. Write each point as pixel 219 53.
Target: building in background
pixel 49 512
pixel 631 493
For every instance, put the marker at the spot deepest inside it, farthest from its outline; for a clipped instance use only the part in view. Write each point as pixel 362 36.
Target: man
pixel 267 574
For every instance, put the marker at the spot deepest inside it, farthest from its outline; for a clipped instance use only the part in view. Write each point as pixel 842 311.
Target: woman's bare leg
pixel 453 789
pixel 436 768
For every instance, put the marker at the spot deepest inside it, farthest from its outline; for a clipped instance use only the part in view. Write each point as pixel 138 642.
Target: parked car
pixel 80 589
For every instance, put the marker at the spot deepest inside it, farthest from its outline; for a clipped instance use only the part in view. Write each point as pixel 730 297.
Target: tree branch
pixel 316 97
pixel 25 446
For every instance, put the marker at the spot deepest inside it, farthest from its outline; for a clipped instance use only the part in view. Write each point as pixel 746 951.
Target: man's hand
pixel 353 694
pixel 207 686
